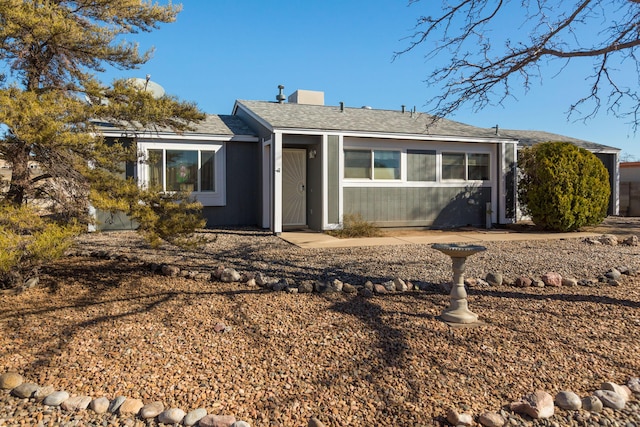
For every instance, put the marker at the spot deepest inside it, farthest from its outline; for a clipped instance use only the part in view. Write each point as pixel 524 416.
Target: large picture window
pixel 372 164
pixel 182 170
pixel 185 167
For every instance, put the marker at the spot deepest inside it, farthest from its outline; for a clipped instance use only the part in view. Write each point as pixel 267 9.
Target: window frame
pixel 217 197
pixel 372 164
pixel 466 166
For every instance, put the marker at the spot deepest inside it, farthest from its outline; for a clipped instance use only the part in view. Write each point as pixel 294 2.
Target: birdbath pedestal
pixel 458 310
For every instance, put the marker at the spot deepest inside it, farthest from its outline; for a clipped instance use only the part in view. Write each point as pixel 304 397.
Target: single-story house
pixel 298 164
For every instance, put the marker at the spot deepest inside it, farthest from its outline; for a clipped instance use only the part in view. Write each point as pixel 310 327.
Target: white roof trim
pixel 404 136
pixel 151 135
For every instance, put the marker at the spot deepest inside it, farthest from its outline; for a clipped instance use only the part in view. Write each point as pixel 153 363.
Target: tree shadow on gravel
pixel 392 342
pixel 392 351
pixel 599 299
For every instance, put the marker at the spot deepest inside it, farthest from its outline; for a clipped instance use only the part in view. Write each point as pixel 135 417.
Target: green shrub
pixel 353 225
pixel 27 241
pixel 563 187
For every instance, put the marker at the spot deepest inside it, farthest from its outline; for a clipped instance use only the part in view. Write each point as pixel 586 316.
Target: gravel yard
pixel 110 327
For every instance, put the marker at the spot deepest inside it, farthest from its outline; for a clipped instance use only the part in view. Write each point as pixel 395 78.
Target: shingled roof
pixel 213 124
pixel 527 138
pixel 321 117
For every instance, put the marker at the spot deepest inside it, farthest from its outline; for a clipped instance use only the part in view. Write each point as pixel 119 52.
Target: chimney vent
pixel 280 97
pixel 402 108
pixel 341 107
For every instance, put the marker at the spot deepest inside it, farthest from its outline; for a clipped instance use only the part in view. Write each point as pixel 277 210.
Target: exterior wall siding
pixel 436 207
pixel 244 205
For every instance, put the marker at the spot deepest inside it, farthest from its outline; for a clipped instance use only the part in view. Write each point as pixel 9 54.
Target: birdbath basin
pixel 458 310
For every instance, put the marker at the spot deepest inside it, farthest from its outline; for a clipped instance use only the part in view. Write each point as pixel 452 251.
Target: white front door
pixel 294 187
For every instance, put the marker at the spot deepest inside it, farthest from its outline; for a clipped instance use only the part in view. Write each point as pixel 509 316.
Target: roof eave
pixel 398 135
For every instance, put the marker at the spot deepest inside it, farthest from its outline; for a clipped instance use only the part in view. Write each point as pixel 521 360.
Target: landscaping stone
pixel 611 399
pixel 99 405
pixel 76 403
pixel 537 405
pixel 131 406
pixel 43 392
pixel 10 380
pixel 622 391
pixel 56 398
pixel 171 416
pixel 523 282
pixel 494 278
pixel 25 390
pixel 613 274
pixel 170 270
pixel 459 419
pixel 194 416
pixel 608 240
pixel 592 404
pixel 552 279
pixel 217 421
pixel 568 400
pixel 314 422
pixel 569 281
pixel 230 275
pixel 151 410
pixel 491 419
pixel 115 404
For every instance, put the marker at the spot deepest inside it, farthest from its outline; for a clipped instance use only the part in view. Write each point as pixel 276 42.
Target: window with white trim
pixel 372 164
pixel 196 169
pixel 465 166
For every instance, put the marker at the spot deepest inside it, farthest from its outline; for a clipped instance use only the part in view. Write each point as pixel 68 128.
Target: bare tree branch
pixel 483 66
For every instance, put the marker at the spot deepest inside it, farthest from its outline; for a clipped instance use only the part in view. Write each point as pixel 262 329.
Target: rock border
pixel 120 405
pixel 538 405
pixel 221 273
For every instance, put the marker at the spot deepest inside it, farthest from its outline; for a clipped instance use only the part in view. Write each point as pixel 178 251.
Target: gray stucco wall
pixel 437 207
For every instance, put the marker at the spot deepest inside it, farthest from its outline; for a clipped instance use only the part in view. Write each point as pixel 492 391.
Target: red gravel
pixel 111 328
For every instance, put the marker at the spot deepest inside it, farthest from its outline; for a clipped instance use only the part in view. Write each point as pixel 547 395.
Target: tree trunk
pixel 20 178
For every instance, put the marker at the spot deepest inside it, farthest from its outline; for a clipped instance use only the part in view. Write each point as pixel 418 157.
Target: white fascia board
pixel 610 150
pixel 178 137
pixel 407 136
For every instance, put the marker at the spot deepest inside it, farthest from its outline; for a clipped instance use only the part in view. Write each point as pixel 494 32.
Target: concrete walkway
pixel 313 239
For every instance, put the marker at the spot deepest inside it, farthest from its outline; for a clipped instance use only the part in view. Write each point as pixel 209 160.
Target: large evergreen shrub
pixel 563 187
pixel 27 241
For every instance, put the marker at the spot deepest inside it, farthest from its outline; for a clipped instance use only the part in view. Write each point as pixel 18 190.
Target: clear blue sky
pixel 222 50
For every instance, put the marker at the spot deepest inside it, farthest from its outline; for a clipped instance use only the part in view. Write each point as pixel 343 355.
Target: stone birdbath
pixel 458 310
